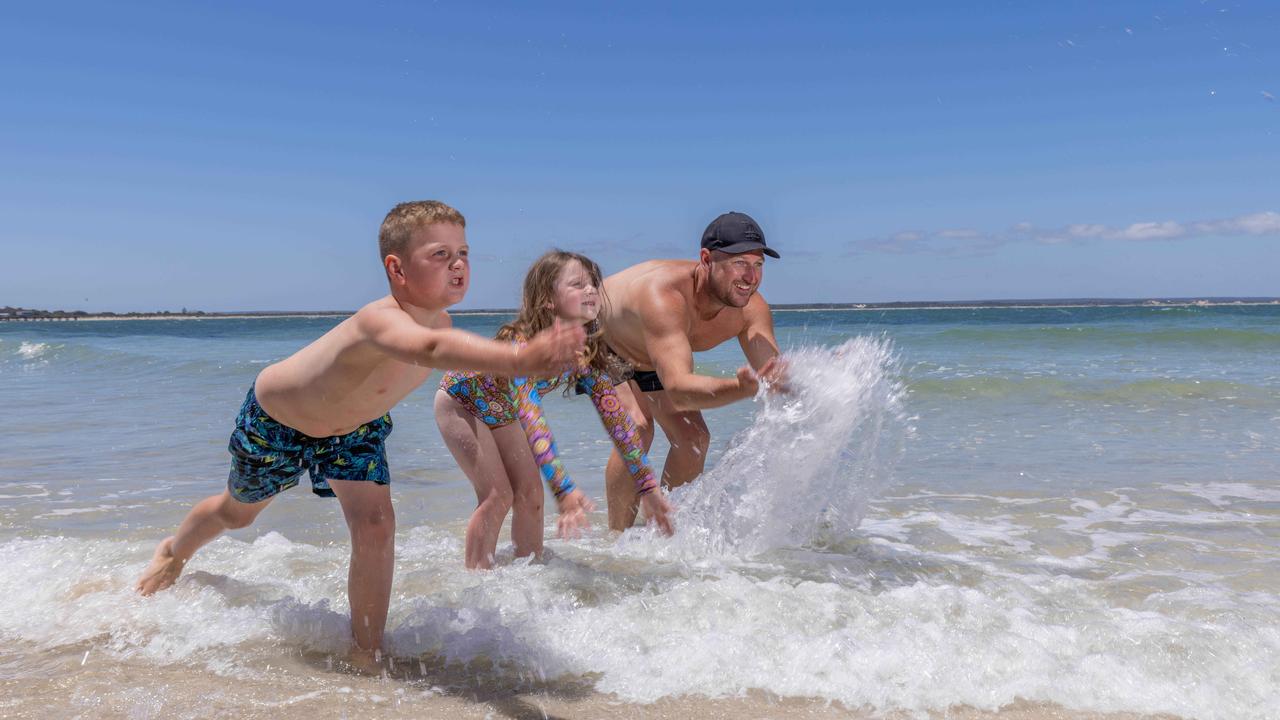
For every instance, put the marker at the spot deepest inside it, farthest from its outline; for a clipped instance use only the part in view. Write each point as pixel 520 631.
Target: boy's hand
pixel 551 351
pixel 573 514
pixel 658 509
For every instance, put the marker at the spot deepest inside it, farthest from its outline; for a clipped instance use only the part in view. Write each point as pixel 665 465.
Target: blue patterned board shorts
pixel 268 458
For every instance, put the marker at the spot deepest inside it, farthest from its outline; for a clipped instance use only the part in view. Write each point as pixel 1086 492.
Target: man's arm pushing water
pixel 667 342
pixel 761 346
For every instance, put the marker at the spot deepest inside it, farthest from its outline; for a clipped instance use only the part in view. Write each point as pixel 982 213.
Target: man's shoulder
pixel 665 278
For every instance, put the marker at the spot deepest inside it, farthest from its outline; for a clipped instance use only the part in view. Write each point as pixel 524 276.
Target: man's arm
pixel 392 332
pixel 757 339
pixel 667 342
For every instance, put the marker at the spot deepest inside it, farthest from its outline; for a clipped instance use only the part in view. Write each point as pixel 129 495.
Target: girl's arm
pixel 620 428
pixel 528 403
pixel 571 502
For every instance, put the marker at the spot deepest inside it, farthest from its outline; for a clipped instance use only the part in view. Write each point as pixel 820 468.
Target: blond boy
pixel 325 409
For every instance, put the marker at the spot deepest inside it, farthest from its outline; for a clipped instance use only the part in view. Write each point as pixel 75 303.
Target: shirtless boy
pixel 659 313
pixel 325 409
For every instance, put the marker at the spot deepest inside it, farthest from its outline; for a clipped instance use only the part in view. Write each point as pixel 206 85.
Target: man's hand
pixel 774 375
pixel 658 509
pixel 574 507
pixel 550 352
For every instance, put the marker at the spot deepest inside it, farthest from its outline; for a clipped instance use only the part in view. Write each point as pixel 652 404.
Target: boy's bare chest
pixel 392 380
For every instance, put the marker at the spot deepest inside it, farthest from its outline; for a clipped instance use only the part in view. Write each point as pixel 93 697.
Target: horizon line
pixel 20 313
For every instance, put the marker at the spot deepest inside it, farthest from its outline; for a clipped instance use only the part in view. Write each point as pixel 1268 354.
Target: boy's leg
pixel 371 520
pixel 205 522
pixel 526 486
pixel 620 490
pixel 473 447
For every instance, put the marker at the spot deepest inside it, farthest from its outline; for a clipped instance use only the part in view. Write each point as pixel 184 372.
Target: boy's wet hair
pixel 536 315
pixel 399 224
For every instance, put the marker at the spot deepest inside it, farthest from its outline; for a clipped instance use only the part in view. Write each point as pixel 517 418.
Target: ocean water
pixel 1065 508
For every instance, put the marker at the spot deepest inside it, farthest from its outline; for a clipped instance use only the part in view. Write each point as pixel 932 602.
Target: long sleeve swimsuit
pixel 498 402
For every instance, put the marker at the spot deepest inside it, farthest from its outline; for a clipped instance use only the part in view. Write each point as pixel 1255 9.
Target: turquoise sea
pixel 1069 509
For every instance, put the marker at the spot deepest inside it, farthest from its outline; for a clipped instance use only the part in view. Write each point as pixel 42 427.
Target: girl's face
pixel 576 299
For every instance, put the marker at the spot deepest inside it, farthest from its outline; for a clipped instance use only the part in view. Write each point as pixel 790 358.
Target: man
pixel 658 314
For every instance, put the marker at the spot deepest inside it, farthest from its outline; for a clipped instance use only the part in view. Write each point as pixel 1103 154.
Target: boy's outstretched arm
pixel 393 332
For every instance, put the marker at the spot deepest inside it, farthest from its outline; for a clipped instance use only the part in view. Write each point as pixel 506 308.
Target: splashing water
pixel 808 463
pixel 31 351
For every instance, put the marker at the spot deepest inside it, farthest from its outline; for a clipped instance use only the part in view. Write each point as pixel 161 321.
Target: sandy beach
pixel 73 686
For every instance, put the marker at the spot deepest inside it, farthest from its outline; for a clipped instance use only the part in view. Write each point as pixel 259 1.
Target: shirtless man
pixel 326 409
pixel 662 311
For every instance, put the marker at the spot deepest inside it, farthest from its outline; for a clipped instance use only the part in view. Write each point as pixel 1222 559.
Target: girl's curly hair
pixel 536 314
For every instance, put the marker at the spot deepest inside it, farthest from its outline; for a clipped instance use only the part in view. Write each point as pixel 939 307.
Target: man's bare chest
pixel 708 334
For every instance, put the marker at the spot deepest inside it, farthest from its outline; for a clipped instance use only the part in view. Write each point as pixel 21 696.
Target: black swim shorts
pixel 647 380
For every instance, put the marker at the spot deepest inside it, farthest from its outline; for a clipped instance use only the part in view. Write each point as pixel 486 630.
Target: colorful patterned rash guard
pixel 499 402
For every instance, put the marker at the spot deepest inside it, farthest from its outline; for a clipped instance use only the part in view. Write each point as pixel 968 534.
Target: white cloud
pixel 972 242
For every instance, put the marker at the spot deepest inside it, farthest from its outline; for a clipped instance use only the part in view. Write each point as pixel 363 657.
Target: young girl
pixel 495 428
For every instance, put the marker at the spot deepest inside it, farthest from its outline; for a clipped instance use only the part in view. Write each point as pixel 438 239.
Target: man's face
pixel 734 278
pixel 437 271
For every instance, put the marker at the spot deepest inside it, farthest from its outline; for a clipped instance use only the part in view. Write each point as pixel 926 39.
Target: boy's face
pixel 437 271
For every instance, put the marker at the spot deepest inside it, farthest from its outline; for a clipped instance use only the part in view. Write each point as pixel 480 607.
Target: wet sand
pixel 76 686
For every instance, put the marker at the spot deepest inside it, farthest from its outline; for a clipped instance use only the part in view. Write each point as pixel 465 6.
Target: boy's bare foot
pixel 163 570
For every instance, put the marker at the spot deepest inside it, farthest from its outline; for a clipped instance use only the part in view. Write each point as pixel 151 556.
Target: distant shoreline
pixel 60 315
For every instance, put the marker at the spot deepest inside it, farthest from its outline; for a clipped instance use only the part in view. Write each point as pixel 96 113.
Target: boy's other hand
pixel 658 509
pixel 573 514
pixel 551 351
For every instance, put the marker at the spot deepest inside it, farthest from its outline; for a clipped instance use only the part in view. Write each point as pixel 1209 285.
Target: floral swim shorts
pixel 268 457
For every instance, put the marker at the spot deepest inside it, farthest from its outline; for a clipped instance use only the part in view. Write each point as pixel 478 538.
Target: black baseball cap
pixel 735 232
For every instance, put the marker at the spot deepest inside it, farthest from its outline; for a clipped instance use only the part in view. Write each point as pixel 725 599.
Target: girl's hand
pixel 658 509
pixel 574 507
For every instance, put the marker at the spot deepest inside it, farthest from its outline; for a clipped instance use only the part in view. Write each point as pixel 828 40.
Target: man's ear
pixel 704 256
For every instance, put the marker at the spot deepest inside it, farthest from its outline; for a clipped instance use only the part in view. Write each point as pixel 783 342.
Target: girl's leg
pixel 472 444
pixel 526 484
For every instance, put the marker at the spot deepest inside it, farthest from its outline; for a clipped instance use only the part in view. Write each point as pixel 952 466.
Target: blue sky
pixel 241 156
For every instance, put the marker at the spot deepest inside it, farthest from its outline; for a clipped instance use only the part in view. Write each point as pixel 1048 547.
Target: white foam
pixel 32 350
pixel 647 629
pixel 1225 494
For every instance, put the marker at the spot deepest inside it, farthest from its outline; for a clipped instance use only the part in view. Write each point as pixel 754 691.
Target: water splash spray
pixel 810 461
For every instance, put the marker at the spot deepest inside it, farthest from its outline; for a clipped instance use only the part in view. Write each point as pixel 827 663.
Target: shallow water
pixel 1073 508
